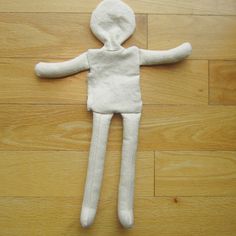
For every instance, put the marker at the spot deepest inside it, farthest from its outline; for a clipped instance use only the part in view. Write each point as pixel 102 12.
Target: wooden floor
pixel 186 164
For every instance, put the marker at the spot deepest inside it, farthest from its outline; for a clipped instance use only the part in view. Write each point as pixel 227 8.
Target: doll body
pixel 113 87
pixel 113 81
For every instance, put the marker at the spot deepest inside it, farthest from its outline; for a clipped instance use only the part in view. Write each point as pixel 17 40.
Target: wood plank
pixel 209 7
pixel 195 173
pixel 160 85
pixel 19 84
pixel 164 84
pixel 222 82
pixel 43 174
pixel 211 37
pixel 54 35
pixel 68 127
pixel 153 216
pixel 188 128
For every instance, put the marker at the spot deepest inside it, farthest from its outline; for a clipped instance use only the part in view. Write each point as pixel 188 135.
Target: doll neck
pixel 112 45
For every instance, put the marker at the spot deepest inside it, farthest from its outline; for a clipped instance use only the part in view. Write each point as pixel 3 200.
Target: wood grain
pixel 211 37
pixel 209 7
pixel 195 173
pixel 68 127
pixel 47 35
pixel 62 174
pixel 21 85
pixel 160 84
pixel 154 216
pixel 222 83
pixel 188 122
pixel 177 84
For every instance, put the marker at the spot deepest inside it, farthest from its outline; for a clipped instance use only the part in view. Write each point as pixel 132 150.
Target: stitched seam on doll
pixel 87 61
pixel 90 94
pixel 139 58
pixel 95 156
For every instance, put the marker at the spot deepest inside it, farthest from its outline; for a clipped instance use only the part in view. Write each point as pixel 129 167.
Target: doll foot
pixel 126 218
pixel 87 216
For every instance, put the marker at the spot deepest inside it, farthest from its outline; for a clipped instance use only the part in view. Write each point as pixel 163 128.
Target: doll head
pixel 112 22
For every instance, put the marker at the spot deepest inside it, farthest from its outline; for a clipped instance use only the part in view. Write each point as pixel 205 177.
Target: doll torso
pixel 113 81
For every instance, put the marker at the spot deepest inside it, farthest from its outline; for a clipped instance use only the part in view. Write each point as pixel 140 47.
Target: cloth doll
pixel 113 87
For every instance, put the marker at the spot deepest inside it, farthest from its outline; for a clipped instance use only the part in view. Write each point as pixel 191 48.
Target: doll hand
pixel 40 68
pixel 187 48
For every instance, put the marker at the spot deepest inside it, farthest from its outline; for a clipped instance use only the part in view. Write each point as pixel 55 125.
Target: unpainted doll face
pixel 112 22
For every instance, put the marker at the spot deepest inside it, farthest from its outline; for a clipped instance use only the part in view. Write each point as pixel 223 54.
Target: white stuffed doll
pixel 113 87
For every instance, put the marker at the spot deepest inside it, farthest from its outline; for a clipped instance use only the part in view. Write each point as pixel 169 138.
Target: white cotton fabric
pixel 62 69
pixel 113 87
pixel 127 172
pixel 113 81
pixel 154 57
pixel 101 124
pixel 112 22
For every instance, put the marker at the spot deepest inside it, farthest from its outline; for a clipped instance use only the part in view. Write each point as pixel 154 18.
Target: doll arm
pixel 153 57
pixel 62 69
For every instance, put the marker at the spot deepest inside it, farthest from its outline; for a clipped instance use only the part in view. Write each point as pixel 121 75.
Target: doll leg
pixel 101 123
pixel 127 176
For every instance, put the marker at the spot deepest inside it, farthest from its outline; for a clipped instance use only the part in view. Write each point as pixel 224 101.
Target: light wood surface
pixel 154 216
pixel 160 84
pixel 222 83
pixel 68 127
pixel 186 162
pixel 54 35
pixel 212 37
pixel 197 173
pixel 209 7
pixel 64 173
